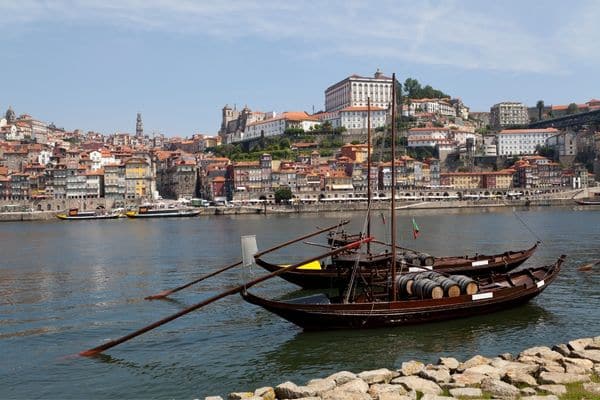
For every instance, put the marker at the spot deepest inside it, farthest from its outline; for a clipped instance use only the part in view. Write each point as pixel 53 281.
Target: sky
pixel 94 64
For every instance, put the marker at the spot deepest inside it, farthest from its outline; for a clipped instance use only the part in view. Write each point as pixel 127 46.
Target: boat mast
pixel 393 202
pixel 368 173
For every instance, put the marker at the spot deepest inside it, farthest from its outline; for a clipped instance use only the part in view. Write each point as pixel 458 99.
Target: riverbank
pixel 565 371
pixel 333 207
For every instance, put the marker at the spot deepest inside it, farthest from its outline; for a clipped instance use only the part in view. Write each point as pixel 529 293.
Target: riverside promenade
pixel 563 198
pixel 565 371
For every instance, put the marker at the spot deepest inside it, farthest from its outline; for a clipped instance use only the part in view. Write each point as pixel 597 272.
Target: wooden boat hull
pixel 313 316
pixel 588 202
pixel 333 276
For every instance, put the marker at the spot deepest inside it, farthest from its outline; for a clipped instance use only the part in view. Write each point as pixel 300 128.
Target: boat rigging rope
pixel 527 227
pixel 357 261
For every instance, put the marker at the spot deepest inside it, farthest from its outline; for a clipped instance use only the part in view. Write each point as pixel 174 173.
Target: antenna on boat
pixel 368 173
pixel 393 202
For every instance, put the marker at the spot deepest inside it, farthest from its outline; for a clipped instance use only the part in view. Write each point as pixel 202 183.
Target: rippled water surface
pixel 68 286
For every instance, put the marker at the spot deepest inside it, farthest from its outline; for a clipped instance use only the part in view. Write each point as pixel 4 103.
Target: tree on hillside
pixel 572 109
pixel 540 108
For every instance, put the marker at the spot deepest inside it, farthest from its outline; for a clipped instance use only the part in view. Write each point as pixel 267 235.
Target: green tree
pixel 412 87
pixel 283 194
pixel 572 109
pixel 540 108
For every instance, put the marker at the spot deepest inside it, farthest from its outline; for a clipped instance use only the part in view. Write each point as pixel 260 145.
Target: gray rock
pixel 484 369
pixel 553 368
pixel 266 393
pixel 518 378
pixel 562 349
pixel 537 360
pixel 289 390
pixel 392 396
pixel 500 389
pixel 338 394
pixel 310 398
pixel 596 369
pixel 592 387
pixel 592 355
pixel 548 397
pixel 580 344
pixel 240 395
pixel 418 384
pixel 321 385
pixel 355 385
pixel 513 366
pixel 378 388
pixel 411 367
pixel 554 378
pixel 438 376
pixel 507 357
pixel 528 391
pixel 558 390
pixel 473 362
pixel 450 362
pixel 342 377
pixel 468 379
pixel 583 363
pixel 382 375
pixel 543 352
pixel 471 393
pixel 213 398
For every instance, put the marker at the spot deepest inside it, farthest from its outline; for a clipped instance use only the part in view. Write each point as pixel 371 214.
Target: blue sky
pixel 94 64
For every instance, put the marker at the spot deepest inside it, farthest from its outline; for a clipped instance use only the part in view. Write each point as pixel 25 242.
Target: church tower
pixel 10 115
pixel 139 127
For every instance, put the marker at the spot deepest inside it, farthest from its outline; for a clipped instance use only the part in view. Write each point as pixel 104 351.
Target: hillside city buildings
pixel 446 148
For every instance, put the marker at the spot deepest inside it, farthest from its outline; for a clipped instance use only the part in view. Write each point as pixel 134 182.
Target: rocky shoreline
pixel 565 371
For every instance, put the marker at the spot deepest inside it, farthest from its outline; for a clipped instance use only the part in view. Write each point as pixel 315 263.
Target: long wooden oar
pixel 168 292
pixel 237 289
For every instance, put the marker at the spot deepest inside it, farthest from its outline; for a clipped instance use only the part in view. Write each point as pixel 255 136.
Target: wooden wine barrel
pixel 405 283
pixel 426 259
pixel 451 288
pixel 466 284
pixel 427 289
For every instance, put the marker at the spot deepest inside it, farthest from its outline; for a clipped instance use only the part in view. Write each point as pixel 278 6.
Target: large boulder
pixel 411 367
pixel 240 395
pixel 558 390
pixel 321 385
pixel 538 397
pixel 342 377
pixel 468 379
pixel 580 344
pixel 583 363
pixel 393 396
pixel 543 352
pixel 437 375
pixel 592 387
pixel 265 393
pixel 562 349
pixel 418 384
pixel 429 396
pixel 467 393
pixel 213 398
pixel 382 375
pixel 289 390
pixel 338 394
pixel 355 385
pixel 592 355
pixel 450 362
pixel 557 378
pixel 473 362
pixel 377 389
pixel 513 366
pixel 520 378
pixel 484 369
pixel 500 389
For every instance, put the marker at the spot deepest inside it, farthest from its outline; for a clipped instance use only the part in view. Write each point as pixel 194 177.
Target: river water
pixel 68 286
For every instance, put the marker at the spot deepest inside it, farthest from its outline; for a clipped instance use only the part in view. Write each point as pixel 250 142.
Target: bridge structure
pixel 568 121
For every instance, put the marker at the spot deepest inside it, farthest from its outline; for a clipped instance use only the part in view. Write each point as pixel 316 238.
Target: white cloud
pixel 444 33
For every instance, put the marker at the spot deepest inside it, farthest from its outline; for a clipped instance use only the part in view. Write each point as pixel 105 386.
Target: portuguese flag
pixel 415 229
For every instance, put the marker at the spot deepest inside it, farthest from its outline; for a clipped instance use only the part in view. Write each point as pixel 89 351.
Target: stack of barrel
pixel 413 258
pixel 433 285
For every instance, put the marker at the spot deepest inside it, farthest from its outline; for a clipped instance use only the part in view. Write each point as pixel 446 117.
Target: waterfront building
pixel 477 180
pixel 76 183
pixel 564 145
pixel 114 181
pixel 247 177
pixel 94 184
pixel 138 179
pixel 178 180
pixel 508 114
pixel 522 141
pixel 354 90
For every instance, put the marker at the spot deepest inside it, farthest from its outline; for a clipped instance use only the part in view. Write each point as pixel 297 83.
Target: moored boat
pixel 318 276
pixel 591 201
pixel 154 212
pixel 380 309
pixel 75 215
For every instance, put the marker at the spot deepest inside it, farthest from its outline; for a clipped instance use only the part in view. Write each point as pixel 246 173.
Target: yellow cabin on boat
pixel 314 265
